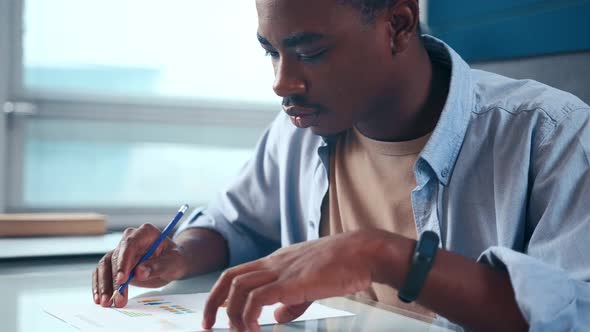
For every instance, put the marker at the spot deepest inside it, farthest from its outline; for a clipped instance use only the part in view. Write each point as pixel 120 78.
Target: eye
pixel 272 54
pixel 312 56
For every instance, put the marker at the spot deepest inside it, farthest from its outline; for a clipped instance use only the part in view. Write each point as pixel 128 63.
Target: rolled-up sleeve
pixel 549 298
pixel 551 279
pixel 247 213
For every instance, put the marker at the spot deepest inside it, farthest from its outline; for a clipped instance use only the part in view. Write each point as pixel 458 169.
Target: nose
pixel 288 79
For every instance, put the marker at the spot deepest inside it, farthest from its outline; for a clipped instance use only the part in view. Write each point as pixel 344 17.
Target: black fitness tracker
pixel 421 263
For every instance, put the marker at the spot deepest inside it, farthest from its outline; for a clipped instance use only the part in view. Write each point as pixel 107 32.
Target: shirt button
pixel 311 224
pixel 445 172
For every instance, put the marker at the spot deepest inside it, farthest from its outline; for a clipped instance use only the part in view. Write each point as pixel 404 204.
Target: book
pixel 51 224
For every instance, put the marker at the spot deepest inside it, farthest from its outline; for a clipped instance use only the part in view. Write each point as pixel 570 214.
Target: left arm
pixel 458 288
pixel 545 288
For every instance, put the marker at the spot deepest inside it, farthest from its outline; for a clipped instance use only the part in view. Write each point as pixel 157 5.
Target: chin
pixel 326 132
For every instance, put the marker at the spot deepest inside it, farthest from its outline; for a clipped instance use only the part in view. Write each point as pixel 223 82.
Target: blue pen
pixel 151 250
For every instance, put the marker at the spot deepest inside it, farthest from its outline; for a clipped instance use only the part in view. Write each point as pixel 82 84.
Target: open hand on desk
pixel 295 276
pixel 167 264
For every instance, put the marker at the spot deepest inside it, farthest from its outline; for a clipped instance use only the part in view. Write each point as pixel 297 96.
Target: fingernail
pixel 115 301
pixel 145 271
pixel 120 278
pixel 104 300
pixel 95 298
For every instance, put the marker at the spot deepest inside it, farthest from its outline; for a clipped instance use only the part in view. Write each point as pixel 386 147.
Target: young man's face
pixel 329 64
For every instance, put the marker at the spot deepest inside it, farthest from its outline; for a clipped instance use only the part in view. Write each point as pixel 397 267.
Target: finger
pixel 131 248
pixel 105 280
pixel 143 272
pixel 120 300
pixel 287 313
pixel 117 280
pixel 238 294
pixel 267 295
pixel 95 296
pixel 220 291
pixel 119 275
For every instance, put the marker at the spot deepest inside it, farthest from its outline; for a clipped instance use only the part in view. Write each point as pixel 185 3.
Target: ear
pixel 404 19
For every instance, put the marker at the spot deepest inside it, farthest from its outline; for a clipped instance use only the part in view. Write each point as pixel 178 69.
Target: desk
pixel 25 284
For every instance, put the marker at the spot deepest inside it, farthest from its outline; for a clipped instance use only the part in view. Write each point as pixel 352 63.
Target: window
pixel 136 164
pixel 172 48
pixel 133 107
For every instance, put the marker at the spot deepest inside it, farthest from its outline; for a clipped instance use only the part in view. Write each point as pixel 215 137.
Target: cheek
pixel 347 89
pixel 351 97
pixel 351 83
pixel 336 89
pixel 344 102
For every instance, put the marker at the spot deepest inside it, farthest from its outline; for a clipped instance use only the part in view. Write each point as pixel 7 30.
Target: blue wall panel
pixel 499 29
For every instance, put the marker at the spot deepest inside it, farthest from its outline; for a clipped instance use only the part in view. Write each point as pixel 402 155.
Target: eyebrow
pixel 295 40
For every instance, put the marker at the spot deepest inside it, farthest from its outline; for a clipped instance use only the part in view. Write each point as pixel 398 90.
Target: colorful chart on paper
pixel 167 306
pixel 170 313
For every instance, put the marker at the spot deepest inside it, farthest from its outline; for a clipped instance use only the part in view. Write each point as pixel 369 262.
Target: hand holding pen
pixel 145 257
pixel 149 253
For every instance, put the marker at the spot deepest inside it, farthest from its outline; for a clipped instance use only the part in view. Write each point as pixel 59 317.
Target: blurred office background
pixel 131 108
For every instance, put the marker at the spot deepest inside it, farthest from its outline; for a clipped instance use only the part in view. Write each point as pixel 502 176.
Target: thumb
pixel 286 313
pixel 166 267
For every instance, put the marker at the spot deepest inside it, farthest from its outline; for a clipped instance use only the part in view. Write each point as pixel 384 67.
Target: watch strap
pixel 422 261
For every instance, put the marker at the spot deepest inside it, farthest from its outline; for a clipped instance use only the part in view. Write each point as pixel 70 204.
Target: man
pixel 387 137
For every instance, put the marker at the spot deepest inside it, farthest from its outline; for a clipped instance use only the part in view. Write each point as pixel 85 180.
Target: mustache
pixel 300 101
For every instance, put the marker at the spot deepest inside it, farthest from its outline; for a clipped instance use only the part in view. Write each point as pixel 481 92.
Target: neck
pixel 411 106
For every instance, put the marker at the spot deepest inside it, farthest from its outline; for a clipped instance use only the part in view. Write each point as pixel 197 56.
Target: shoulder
pixel 527 106
pixel 495 92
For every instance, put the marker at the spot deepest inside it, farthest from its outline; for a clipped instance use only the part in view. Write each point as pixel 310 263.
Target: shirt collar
pixel 444 145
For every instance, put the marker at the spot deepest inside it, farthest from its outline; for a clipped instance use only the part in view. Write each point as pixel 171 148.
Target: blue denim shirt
pixel 504 179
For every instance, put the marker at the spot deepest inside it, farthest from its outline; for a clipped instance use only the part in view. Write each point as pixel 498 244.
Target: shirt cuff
pixel 545 294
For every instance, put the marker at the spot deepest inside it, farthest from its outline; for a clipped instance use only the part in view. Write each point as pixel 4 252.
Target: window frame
pixel 5 35
pixel 94 107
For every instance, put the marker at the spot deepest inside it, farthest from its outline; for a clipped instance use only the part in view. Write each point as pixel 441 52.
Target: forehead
pixel 280 18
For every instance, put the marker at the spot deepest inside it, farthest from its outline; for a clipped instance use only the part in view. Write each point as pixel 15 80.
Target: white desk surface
pixel 58 246
pixel 27 283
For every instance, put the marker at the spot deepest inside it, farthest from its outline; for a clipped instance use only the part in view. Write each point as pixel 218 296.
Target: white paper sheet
pixel 172 313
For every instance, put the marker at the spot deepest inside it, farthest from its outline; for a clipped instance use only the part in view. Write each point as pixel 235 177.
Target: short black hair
pixel 368 8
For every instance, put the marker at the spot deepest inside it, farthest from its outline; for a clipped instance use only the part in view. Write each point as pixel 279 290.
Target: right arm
pixel 240 225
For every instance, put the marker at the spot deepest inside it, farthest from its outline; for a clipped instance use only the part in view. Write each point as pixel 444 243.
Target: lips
pixel 302 117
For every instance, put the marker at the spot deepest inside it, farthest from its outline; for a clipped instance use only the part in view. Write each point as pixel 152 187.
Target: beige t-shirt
pixel 370 187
